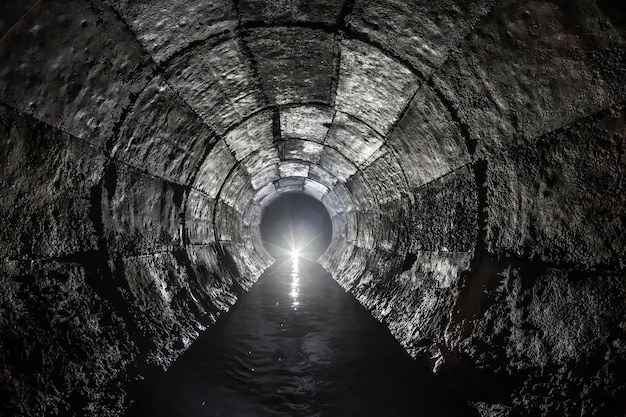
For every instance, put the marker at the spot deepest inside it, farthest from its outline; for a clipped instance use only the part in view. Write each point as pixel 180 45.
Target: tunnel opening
pixel 296 224
pixel 132 198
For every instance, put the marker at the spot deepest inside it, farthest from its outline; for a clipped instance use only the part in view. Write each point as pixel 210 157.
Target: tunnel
pixel 470 156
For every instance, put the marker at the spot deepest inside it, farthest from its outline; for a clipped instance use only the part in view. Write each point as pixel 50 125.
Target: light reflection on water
pixel 297 345
pixel 295 282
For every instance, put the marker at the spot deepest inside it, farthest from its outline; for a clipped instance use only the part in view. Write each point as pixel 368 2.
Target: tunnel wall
pixel 99 266
pixel 110 265
pixel 472 165
pixel 513 285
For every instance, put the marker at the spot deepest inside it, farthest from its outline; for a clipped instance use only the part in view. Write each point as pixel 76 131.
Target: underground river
pixel 297 345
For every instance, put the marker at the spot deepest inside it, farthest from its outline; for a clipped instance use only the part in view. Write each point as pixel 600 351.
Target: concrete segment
pixel 566 190
pixel 428 132
pixel 161 135
pixel 199 218
pixel 324 12
pixel 140 214
pixel 424 46
pixel 61 190
pixel 56 68
pixel 167 28
pixel 214 169
pixel 470 154
pixel 295 65
pixel 353 138
pixel 216 79
pixel 251 135
pixel 373 87
pixel 308 151
pixel 521 74
pixel 305 122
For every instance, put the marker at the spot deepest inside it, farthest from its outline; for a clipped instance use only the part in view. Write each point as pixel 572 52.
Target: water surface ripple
pixel 297 345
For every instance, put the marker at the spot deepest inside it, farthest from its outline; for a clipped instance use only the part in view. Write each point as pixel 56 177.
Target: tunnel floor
pixel 297 345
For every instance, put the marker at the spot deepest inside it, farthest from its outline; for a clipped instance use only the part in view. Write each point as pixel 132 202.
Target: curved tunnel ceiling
pixel 420 127
pixel 238 105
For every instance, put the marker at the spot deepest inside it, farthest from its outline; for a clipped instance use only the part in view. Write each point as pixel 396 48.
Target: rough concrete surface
pixel 470 155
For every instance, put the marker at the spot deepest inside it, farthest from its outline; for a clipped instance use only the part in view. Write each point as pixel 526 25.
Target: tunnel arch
pixel 470 154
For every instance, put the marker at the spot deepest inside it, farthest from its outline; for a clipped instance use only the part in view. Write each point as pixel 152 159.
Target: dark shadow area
pixel 409 260
pixel 615 12
pixel 298 345
pixel 296 222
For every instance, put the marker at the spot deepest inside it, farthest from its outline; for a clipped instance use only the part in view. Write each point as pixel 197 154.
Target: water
pixel 297 345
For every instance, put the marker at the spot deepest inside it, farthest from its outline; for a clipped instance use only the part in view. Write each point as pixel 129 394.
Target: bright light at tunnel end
pixel 295 227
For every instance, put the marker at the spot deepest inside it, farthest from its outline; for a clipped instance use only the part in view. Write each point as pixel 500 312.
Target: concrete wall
pixel 470 154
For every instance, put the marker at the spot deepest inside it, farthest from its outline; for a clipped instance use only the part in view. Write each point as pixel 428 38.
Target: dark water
pixel 297 345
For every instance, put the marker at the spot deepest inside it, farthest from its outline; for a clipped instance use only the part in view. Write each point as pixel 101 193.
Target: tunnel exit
pixel 296 225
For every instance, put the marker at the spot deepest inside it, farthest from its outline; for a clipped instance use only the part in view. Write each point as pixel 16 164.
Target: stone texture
pixel 234 185
pixel 251 135
pixel 162 136
pixel 198 76
pixel 265 176
pixel 199 227
pixel 336 164
pixel 428 142
pixel 319 174
pixel 213 280
pixel 291 11
pixel 261 178
pixel 268 190
pixel 421 300
pixel 141 214
pixel 442 25
pixel 346 199
pixel 444 218
pixel 362 193
pixel 372 86
pixel 288 184
pixel 64 349
pixel 315 188
pixel 215 169
pixel 49 212
pixel 385 176
pixel 470 155
pixel 353 139
pixel 308 151
pixel 294 65
pixel 546 365
pixel 293 169
pixel 235 258
pixel 341 258
pixel 305 122
pixel 521 74
pixel 373 230
pixel 55 69
pixel 227 223
pixel 167 28
pixel 376 276
pixel 567 189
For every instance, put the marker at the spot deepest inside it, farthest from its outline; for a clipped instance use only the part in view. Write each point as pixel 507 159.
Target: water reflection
pixel 295 282
pixel 297 345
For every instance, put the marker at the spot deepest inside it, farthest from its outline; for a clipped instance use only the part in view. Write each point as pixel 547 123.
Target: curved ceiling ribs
pixel 470 154
pixel 284 65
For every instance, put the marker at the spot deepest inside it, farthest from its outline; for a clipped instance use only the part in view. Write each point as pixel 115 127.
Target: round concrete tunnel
pixel 470 156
